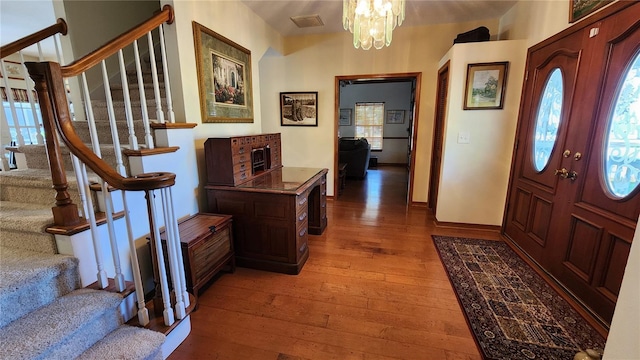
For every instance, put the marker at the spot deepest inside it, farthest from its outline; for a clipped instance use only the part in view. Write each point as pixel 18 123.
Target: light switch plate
pixel 464 137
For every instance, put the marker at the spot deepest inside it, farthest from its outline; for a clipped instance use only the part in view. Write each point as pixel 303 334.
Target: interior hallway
pixel 372 288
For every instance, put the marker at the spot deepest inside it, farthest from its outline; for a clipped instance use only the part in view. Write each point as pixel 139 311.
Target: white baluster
pixel 93 132
pixel 183 289
pixel 143 98
pixel 12 106
pixel 143 313
pixel 162 271
pixel 165 69
pixel 154 76
pixel 103 281
pixel 172 254
pixel 81 189
pixel 35 113
pixel 115 252
pixel 112 120
pixel 133 140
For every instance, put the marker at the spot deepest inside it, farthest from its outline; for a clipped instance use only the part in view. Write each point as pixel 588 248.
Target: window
pixel 370 122
pixel 548 119
pixel 622 157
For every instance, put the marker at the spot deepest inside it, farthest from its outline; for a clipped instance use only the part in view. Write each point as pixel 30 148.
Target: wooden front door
pixel 564 208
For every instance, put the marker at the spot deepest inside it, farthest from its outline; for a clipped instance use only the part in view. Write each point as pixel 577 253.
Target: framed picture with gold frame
pixel 485 86
pixel 581 8
pixel 224 78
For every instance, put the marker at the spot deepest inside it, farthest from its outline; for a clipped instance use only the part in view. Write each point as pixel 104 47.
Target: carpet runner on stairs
pixel 43 312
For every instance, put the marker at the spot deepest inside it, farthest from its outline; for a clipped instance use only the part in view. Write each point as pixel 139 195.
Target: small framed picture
pixel 485 86
pixel 345 117
pixel 299 108
pixel 395 117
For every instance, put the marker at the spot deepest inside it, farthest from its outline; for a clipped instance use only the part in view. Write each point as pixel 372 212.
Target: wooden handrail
pixel 55 112
pixel 78 66
pixel 59 27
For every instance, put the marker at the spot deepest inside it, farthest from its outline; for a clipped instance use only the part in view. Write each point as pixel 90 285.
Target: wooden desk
pixel 273 214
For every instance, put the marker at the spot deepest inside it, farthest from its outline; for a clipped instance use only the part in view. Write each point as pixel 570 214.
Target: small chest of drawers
pixel 207 247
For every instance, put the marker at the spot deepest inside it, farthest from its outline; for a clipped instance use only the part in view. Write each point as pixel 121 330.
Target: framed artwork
pixel 485 87
pixel 345 117
pixel 581 8
pixel 15 70
pixel 299 108
pixel 395 117
pixel 224 78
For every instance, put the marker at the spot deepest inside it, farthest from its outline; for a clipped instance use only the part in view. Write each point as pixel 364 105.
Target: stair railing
pixel 23 110
pixel 50 78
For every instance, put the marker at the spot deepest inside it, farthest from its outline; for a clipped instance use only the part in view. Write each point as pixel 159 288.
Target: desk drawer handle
pixel 303 248
pixel 212 229
pixel 304 231
pixel 242 166
pixel 241 150
pixel 303 216
pixel 324 205
pixel 324 192
pixel 243 176
pixel 302 201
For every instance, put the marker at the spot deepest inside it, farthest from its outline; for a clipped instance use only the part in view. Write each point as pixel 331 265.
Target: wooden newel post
pixel 53 105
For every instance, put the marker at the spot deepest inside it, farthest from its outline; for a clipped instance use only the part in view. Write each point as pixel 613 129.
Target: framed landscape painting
pixel 224 78
pixel 299 108
pixel 581 8
pixel 485 86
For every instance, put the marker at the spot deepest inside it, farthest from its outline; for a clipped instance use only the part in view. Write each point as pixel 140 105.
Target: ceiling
pixel 21 18
pixel 277 13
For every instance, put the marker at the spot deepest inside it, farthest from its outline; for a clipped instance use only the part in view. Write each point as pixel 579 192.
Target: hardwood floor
pixel 373 288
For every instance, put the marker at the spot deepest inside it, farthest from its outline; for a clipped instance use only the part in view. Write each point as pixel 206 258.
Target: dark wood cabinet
pixel 274 208
pixel 207 247
pixel 235 160
pixel 273 216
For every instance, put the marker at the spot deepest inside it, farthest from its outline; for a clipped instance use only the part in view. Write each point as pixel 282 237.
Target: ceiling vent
pixel 307 21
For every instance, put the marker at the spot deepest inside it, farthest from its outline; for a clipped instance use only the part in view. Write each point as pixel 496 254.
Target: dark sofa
pixel 355 153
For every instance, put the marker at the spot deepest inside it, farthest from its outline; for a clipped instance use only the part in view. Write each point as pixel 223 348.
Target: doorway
pixel 409 124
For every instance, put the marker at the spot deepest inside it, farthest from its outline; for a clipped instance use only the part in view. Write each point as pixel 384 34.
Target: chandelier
pixel 372 21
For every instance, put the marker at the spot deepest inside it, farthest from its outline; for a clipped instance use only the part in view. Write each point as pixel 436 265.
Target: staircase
pixel 44 312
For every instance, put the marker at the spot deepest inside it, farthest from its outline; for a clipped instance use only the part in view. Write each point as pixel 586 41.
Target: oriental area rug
pixel 511 311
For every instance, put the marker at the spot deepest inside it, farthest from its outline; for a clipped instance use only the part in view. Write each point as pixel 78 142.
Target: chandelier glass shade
pixel 372 21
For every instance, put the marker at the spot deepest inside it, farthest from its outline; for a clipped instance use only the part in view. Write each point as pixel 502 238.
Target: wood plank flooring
pixel 373 288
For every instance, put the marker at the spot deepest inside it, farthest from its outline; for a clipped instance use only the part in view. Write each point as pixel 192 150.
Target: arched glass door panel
pixel 548 119
pixel 622 147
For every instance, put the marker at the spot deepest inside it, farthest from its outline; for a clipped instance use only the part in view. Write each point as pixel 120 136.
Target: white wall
pixel 622 342
pixel 310 63
pixel 395 96
pixel 235 21
pixel 474 176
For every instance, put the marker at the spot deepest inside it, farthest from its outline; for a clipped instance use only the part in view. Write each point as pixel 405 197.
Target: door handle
pixel 567 174
pixel 564 173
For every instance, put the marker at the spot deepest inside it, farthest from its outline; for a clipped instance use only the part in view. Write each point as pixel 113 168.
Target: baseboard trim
pixel 478 227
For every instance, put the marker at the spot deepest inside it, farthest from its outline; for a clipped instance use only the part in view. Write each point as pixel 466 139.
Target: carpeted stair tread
pixel 25 216
pixel 30 280
pixel 63 329
pixel 36 158
pixel 22 225
pixel 127 342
